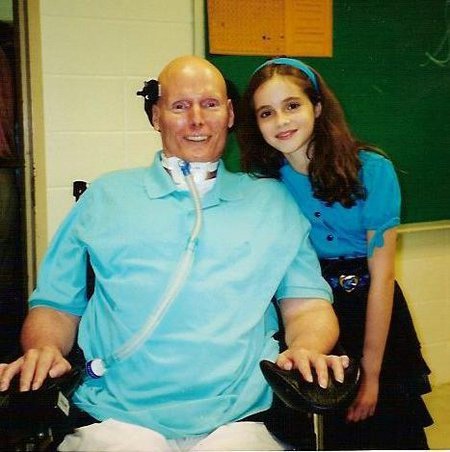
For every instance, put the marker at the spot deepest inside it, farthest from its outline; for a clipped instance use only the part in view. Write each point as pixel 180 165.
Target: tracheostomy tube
pixel 97 367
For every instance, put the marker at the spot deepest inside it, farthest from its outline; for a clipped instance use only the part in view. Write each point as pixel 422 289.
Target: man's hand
pixel 304 360
pixel 47 335
pixel 312 330
pixel 34 367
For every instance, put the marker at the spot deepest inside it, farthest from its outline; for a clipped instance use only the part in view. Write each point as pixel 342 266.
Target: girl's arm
pixel 378 317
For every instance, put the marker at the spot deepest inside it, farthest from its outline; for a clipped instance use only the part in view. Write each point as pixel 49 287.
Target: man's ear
pixel 317 109
pixel 155 117
pixel 230 113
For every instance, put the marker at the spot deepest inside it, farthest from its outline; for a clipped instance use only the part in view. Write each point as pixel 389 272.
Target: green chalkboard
pixel 394 96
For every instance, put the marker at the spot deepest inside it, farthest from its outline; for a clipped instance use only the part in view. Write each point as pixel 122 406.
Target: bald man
pixel 187 258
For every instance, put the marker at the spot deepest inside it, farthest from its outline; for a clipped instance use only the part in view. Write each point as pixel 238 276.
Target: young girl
pixel 293 128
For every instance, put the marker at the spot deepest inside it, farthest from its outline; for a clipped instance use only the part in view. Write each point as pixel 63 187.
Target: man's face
pixel 193 113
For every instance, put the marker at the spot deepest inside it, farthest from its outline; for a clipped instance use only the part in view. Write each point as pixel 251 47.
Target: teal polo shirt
pixel 200 367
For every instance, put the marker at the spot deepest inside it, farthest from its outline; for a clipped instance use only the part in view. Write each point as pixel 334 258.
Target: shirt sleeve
pixel 303 278
pixel 62 280
pixel 382 206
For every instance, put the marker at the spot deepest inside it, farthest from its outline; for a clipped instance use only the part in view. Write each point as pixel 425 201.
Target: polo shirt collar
pixel 159 184
pixel 157 180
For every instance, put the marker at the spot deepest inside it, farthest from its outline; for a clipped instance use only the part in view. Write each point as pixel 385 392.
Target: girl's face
pixel 285 115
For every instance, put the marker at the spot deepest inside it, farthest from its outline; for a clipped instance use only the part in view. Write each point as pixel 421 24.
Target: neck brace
pixel 203 173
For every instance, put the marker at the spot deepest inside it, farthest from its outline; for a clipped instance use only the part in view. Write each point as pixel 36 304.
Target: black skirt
pixel 401 414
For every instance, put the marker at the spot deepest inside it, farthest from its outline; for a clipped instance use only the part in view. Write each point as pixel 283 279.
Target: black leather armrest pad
pixel 298 394
pixel 49 401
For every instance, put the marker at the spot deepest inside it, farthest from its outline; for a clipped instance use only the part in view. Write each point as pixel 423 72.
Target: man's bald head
pixel 189 66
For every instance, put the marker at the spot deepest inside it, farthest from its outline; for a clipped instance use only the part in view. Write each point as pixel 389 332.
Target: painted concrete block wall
pixel 95 56
pixel 423 262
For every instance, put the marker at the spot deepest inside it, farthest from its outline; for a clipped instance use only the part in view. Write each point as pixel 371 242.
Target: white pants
pixel 112 435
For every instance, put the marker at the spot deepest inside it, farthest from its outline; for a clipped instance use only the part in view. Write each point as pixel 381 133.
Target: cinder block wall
pixel 423 262
pixel 95 56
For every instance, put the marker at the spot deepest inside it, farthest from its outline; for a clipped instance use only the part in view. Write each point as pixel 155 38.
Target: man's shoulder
pixel 116 184
pixel 263 192
pixel 271 197
pixel 264 185
pixel 251 181
pixel 119 178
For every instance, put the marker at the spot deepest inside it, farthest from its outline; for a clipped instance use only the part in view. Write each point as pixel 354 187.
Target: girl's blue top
pixel 338 231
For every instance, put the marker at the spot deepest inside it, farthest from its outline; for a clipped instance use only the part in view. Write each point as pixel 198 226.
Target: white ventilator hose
pixel 98 367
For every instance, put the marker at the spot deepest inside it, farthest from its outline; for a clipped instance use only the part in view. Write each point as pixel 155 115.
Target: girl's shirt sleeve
pixel 382 206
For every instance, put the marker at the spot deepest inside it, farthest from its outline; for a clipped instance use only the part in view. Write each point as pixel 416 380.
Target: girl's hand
pixel 365 403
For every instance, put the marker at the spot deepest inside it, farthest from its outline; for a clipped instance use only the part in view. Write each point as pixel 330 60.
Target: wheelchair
pixel 38 420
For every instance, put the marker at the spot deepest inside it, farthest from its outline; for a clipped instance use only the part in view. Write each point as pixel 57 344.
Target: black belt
pixel 348 282
pixel 347 274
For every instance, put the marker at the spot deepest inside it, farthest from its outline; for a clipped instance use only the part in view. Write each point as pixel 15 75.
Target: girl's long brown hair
pixel 334 162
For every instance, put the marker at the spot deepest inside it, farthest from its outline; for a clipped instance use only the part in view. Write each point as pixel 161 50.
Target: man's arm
pixel 47 336
pixel 312 331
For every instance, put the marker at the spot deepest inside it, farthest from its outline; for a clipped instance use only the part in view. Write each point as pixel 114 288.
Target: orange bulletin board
pixel 271 27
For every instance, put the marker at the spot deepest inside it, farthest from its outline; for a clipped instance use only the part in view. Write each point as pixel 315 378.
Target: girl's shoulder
pixel 370 156
pixel 374 160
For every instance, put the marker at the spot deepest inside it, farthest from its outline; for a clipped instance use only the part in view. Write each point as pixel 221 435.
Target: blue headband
pixel 294 63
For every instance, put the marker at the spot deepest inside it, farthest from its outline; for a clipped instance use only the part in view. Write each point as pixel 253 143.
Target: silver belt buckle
pixel 349 282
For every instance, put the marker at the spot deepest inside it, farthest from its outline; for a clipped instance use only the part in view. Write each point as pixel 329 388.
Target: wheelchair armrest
pixel 300 395
pixel 48 404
